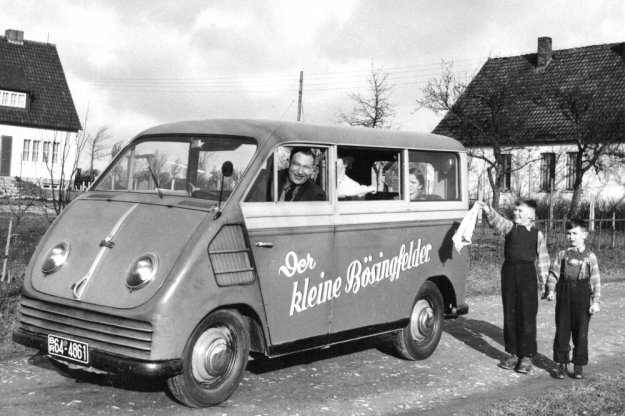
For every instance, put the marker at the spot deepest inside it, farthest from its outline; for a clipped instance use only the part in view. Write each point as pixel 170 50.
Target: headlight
pixel 56 258
pixel 141 272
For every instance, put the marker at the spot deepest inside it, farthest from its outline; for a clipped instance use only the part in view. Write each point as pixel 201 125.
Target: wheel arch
pixel 447 291
pixel 258 344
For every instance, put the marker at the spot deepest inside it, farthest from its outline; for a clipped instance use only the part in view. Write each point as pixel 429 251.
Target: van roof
pixel 276 132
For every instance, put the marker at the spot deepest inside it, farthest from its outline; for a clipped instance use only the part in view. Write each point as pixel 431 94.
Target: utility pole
pixel 301 87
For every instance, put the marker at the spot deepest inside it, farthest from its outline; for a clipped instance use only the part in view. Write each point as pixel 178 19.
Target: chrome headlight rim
pixel 133 273
pixel 58 259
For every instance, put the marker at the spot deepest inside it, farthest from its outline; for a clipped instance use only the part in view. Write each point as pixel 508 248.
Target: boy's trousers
pixel 519 292
pixel 572 319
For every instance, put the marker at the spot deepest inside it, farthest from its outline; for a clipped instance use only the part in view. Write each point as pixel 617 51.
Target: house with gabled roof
pixel 38 119
pixel 541 138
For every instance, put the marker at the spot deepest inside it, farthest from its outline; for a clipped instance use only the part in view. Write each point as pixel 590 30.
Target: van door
pixel 292 244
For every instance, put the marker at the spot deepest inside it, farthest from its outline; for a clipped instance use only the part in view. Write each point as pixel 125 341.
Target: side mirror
pixel 227 169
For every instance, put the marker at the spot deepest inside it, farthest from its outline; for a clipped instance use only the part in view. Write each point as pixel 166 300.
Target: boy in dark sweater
pixel 574 277
pixel 526 264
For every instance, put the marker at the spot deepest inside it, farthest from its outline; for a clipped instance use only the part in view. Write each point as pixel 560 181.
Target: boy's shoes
pixel 524 366
pixel 509 363
pixel 577 372
pixel 561 371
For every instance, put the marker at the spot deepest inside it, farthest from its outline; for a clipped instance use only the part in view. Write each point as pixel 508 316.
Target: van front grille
pixel 112 334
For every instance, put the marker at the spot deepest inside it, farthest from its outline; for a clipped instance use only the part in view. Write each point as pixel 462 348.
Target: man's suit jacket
pixel 308 191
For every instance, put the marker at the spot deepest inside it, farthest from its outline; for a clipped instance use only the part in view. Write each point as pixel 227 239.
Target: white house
pixel 38 119
pixel 530 104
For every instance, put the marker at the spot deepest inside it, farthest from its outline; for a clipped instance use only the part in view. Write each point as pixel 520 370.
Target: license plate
pixel 68 348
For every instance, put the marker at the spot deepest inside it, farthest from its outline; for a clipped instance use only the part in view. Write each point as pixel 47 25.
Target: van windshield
pixel 206 167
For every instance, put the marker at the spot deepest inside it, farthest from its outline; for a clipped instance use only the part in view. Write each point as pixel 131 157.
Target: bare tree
pixel 62 164
pixel 115 149
pixel 597 132
pixel 96 147
pixel 374 109
pixel 488 123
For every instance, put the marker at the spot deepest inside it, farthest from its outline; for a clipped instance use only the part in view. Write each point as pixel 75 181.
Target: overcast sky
pixel 134 64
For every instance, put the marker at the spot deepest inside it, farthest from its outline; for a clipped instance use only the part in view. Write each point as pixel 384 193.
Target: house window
pixel 571 160
pixel 505 161
pixel 55 152
pixel 46 151
pixel 35 151
pixel 26 151
pixel 13 99
pixel 547 171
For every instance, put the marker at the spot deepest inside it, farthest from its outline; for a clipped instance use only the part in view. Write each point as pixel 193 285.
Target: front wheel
pixel 213 362
pixel 419 339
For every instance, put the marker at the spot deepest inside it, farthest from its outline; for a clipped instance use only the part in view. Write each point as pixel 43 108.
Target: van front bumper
pixel 107 362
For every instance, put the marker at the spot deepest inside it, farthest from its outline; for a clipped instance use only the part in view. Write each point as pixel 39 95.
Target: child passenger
pixel 575 283
pixel 525 250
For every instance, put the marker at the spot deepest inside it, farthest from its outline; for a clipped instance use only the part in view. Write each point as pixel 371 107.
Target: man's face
pixel 301 168
pixel 523 214
pixel 576 236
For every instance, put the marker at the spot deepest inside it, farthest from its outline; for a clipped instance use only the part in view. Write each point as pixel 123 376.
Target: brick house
pixel 38 119
pixel 542 151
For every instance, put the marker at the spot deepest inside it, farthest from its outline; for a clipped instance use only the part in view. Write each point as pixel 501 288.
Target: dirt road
pixel 359 378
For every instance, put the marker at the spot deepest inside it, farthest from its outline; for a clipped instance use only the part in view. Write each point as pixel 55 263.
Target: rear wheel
pixel 419 339
pixel 214 360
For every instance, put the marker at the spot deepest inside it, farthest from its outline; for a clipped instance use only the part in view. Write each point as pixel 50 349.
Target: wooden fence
pixel 608 234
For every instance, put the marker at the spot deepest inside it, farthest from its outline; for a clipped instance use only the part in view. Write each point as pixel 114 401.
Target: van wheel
pixel 213 362
pixel 419 339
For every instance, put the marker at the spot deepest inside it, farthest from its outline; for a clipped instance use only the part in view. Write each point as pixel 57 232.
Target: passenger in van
pixel 346 186
pixel 416 181
pixel 296 183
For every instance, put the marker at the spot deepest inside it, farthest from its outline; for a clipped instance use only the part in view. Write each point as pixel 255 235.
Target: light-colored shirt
pixel 593 264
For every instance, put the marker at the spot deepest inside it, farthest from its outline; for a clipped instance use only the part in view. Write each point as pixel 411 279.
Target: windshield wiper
pixel 158 189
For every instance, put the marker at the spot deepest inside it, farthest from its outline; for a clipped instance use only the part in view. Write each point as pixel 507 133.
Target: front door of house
pixel 5 159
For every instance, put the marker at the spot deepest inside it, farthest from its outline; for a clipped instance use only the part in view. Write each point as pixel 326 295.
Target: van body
pixel 185 257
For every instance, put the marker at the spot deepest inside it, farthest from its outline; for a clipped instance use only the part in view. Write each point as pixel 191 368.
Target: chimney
pixel 544 52
pixel 14 36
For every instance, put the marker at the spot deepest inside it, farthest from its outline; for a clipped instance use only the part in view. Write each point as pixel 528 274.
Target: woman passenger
pixel 415 184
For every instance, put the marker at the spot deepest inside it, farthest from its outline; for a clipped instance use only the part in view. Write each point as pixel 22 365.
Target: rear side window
pixel 433 176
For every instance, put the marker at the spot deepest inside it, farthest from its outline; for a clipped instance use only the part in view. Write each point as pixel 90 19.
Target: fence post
pixel 591 219
pixel 6 254
pixel 613 230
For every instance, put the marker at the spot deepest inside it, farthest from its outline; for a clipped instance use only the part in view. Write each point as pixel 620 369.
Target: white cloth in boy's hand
pixel 464 233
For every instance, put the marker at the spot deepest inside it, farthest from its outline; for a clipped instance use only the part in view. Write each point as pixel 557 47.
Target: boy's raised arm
pixel 495 220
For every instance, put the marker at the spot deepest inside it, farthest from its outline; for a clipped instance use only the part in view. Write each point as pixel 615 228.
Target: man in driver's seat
pixel 296 183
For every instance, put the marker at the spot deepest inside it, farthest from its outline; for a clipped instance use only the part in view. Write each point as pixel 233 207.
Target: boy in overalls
pixel 575 283
pixel 526 263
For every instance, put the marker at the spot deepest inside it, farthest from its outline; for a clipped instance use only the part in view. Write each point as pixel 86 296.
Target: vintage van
pixel 185 257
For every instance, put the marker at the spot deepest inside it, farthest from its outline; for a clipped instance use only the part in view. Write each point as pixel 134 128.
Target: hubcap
pixel 212 355
pixel 422 320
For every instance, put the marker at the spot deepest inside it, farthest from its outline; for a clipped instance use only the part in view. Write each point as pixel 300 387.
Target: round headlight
pixel 141 272
pixel 56 258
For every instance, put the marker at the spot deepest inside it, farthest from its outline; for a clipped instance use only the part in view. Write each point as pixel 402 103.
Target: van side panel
pixel 383 266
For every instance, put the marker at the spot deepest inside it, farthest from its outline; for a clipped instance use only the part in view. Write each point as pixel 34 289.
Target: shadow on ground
pixel 474 333
pixel 134 383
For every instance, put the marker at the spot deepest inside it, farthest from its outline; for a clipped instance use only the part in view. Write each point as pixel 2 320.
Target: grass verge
pixel 603 394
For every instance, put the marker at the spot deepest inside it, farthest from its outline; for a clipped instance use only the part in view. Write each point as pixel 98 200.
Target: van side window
pixel 365 174
pixel 433 176
pixel 301 173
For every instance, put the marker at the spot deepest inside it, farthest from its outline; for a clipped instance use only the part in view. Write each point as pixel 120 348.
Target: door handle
pixel 264 244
